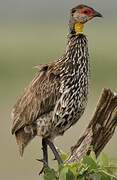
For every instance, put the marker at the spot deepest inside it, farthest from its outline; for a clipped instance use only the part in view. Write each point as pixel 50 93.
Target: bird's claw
pixel 54 159
pixel 42 170
pixel 45 164
pixel 43 161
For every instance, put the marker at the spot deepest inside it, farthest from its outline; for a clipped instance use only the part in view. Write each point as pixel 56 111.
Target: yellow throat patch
pixel 79 28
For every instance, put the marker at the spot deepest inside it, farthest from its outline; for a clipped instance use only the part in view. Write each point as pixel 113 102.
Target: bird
pixel 57 96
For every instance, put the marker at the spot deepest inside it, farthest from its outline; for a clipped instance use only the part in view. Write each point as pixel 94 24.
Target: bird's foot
pixel 45 165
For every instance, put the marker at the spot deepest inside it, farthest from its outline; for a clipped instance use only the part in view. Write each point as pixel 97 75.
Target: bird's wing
pixel 39 98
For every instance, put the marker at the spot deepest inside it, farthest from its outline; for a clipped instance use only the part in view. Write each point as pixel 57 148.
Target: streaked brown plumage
pixel 57 96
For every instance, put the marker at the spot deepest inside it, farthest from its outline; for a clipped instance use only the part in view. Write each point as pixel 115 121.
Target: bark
pixel 100 129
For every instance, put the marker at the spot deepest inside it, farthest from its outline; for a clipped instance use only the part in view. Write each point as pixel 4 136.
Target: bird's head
pixel 80 15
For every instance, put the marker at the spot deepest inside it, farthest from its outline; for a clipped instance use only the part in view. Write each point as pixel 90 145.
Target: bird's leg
pixel 45 152
pixel 55 152
pixel 45 155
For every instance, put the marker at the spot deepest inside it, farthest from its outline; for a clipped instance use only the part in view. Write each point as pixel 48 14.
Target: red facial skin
pixel 86 11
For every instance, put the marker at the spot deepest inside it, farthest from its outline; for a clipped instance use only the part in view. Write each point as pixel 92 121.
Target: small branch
pixel 100 129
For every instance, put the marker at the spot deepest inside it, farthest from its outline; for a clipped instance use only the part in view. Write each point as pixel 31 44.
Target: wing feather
pixel 39 98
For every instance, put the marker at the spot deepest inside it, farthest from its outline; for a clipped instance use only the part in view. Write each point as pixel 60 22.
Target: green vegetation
pixel 89 168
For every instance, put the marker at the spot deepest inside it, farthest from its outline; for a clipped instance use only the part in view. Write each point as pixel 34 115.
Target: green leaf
pixel 88 168
pixel 93 156
pixel 111 169
pixel 66 174
pixel 81 178
pixel 103 160
pixel 108 175
pixel 63 155
pixel 49 174
pixel 69 175
pixel 74 170
pixel 96 176
pixel 82 170
pixel 90 162
pixel 73 167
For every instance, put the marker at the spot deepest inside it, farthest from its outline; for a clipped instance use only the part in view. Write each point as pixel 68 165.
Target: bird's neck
pixel 77 51
pixel 77 45
pixel 75 63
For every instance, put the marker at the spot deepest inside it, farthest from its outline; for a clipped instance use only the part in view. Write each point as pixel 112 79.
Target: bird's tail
pixel 23 139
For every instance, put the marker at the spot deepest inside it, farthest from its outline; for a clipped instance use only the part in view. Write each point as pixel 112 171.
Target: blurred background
pixel 34 32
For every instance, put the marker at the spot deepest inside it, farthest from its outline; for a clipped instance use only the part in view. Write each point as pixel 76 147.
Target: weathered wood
pixel 100 129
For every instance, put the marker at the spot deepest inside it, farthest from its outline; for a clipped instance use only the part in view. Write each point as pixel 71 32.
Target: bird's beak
pixel 97 14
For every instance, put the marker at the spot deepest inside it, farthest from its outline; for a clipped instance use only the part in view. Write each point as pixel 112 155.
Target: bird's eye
pixel 86 12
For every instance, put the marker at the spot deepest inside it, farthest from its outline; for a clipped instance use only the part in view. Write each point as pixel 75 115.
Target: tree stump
pixel 100 129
